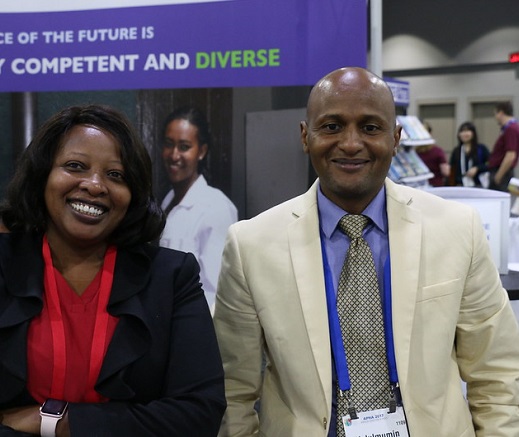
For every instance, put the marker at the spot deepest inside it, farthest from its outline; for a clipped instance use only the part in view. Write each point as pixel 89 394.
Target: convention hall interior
pixel 454 55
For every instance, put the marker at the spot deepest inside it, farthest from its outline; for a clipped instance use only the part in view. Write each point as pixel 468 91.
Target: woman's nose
pixel 171 153
pixel 175 154
pixel 94 184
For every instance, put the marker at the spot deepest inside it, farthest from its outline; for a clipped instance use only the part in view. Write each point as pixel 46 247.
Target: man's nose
pixel 350 140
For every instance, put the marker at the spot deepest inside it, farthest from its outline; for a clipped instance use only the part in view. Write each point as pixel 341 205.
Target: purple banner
pixel 235 43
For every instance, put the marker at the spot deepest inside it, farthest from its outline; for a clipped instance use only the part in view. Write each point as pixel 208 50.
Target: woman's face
pixel 86 193
pixel 181 152
pixel 465 135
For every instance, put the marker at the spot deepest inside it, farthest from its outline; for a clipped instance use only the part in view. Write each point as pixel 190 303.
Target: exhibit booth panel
pixel 494 210
pixel 276 166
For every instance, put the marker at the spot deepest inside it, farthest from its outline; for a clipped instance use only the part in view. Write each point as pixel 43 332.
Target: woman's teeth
pixel 85 209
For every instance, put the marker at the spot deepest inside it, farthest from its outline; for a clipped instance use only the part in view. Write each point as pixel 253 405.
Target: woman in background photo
pixel 198 215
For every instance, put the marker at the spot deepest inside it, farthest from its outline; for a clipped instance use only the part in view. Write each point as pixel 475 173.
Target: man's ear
pixel 304 135
pixel 396 135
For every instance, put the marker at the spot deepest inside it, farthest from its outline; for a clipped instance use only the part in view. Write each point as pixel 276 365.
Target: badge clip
pixel 392 399
pixel 351 409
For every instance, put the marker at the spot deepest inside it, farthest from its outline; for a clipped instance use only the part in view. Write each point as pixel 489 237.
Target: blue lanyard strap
pixel 339 354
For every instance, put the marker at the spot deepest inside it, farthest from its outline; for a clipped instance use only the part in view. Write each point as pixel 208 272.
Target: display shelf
pixel 408 169
pixel 414 132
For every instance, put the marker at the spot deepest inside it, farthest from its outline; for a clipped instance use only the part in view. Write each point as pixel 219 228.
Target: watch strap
pixel 48 425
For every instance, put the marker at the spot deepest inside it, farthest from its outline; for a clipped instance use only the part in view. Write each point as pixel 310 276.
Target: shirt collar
pixel 508 123
pixel 194 193
pixel 330 213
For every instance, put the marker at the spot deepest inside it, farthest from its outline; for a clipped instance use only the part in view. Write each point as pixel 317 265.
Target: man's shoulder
pixel 512 131
pixel 432 201
pixel 281 215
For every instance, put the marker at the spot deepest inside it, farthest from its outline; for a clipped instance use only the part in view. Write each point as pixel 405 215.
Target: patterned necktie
pixel 362 325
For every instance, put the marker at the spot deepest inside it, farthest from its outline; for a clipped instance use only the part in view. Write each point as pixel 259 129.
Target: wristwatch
pixel 51 412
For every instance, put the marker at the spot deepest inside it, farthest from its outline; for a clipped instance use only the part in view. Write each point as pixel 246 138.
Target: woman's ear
pixel 202 152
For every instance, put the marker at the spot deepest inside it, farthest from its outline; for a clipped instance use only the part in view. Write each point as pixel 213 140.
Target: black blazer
pixel 162 371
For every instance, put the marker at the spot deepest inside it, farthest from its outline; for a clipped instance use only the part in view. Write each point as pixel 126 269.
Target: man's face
pixel 498 115
pixel 350 136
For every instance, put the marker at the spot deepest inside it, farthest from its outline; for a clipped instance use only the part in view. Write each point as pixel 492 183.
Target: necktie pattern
pixel 362 325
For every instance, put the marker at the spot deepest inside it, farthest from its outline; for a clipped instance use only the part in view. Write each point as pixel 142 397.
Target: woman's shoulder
pixel 215 200
pixel 11 239
pixel 152 251
pixel 17 246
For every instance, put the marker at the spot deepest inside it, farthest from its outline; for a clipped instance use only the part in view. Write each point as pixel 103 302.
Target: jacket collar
pixel 132 336
pixel 405 246
pixel 22 265
pixel 21 262
pixel 305 252
pixel 405 229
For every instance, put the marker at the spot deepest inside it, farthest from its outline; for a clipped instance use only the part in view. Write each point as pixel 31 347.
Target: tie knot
pixel 353 225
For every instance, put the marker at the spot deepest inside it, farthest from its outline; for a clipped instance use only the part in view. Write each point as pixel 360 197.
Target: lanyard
pixel 463 160
pixel 58 331
pixel 339 354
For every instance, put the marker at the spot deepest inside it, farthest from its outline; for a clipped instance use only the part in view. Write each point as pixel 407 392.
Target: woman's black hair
pixel 467 125
pixel 198 119
pixel 24 207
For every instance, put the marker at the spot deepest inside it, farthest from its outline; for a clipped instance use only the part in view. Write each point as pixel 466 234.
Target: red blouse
pixel 79 315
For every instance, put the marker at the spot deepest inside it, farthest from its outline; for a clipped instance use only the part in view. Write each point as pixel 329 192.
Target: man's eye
pixel 370 128
pixel 332 127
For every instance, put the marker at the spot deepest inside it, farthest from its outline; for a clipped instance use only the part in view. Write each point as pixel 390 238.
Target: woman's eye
pixel 73 165
pixel 116 174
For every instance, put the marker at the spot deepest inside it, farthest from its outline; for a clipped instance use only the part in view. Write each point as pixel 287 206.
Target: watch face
pixel 54 407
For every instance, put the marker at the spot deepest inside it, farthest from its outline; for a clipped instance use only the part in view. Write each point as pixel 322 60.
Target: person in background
pixel 445 313
pixel 505 154
pixel 107 334
pixel 198 215
pixel 469 158
pixel 434 158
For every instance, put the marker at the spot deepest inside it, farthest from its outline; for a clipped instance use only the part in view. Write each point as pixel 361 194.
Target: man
pixel 505 153
pixel 451 318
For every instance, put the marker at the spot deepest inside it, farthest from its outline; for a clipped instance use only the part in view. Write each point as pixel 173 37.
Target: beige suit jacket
pixel 451 320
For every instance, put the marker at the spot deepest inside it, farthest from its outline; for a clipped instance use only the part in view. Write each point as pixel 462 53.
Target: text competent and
pixel 232 59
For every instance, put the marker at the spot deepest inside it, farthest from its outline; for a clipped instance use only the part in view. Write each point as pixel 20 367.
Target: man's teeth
pixel 85 209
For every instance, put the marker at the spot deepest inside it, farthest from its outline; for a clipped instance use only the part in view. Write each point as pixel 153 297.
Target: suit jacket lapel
pixel 132 335
pixel 22 267
pixel 305 250
pixel 405 236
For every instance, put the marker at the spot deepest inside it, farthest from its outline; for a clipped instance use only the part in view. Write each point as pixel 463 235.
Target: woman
pixel 468 159
pixel 90 314
pixel 198 215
